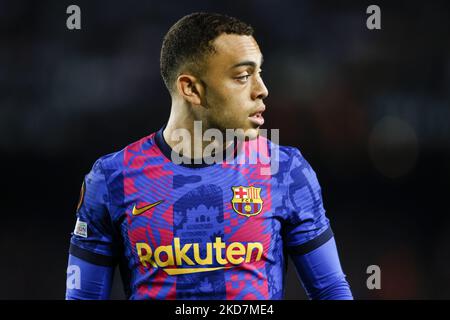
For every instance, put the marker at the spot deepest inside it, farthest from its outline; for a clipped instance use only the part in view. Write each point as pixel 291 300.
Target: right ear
pixel 190 88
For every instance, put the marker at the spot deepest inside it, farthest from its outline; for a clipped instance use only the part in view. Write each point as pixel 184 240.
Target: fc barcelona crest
pixel 247 200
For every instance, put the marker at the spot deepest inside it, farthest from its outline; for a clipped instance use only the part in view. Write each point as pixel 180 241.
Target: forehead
pixel 233 48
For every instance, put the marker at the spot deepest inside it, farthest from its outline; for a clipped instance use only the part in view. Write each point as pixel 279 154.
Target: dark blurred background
pixel 369 109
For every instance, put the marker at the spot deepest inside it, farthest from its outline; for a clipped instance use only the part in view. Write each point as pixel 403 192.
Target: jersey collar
pixel 187 162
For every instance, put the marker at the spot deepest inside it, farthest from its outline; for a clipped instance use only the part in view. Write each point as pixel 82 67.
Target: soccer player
pixel 196 229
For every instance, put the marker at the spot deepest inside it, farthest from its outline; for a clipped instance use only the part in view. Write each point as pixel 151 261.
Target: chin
pixel 248 133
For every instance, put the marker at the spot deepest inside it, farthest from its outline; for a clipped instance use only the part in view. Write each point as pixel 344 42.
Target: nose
pixel 259 89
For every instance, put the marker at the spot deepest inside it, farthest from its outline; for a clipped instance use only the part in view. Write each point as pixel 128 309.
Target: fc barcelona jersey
pixel 199 231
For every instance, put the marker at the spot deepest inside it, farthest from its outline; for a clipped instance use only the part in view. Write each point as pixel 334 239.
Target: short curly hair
pixel 189 40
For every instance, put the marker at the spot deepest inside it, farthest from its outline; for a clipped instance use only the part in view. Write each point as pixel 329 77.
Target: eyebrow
pixel 247 63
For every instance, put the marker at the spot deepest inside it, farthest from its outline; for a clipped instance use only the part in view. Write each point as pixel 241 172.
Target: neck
pixel 185 130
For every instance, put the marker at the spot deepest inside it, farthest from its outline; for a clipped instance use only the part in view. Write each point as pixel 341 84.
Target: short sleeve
pixel 93 236
pixel 307 226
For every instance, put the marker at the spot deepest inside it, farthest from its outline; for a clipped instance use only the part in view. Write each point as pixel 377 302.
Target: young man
pixel 182 227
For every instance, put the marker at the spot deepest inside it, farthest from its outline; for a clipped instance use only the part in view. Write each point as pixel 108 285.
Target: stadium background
pixel 368 109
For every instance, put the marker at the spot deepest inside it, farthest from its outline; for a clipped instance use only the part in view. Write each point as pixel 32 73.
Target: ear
pixel 190 88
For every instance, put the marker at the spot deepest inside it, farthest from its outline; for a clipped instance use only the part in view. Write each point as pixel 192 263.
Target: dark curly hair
pixel 189 40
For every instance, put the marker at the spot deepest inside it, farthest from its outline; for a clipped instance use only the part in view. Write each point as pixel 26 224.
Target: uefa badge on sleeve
pixel 247 200
pixel 81 229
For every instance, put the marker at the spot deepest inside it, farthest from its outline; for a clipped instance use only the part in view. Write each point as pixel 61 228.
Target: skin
pixel 223 96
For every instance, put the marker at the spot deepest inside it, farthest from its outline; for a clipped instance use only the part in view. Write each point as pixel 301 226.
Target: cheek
pixel 234 103
pixel 232 110
pixel 227 107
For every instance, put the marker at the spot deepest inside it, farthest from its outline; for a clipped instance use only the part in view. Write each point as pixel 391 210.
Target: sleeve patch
pixel 81 229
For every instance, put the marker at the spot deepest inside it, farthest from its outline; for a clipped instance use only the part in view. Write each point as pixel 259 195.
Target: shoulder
pixel 115 162
pixel 285 154
pixel 290 153
pixel 293 168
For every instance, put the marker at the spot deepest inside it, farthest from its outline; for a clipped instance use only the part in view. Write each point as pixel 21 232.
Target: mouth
pixel 256 117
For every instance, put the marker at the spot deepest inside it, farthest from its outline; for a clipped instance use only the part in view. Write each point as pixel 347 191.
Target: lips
pixel 256 117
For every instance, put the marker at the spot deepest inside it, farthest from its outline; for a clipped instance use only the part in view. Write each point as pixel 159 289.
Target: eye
pixel 243 79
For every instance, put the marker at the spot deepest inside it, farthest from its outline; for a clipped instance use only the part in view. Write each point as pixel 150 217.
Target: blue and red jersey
pixel 199 231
